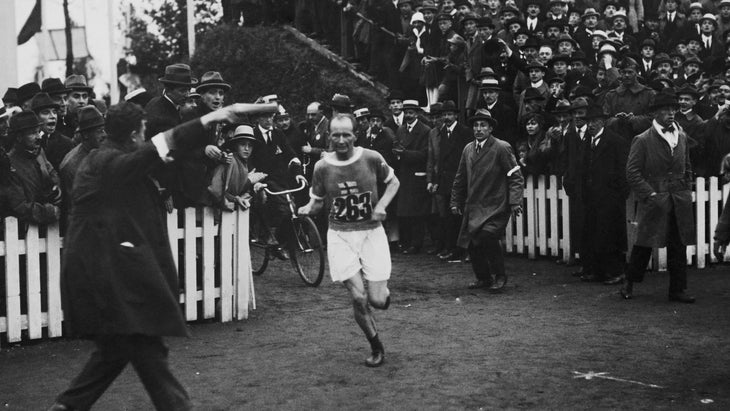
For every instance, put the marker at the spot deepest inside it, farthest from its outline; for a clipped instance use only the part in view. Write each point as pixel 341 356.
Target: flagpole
pixel 9 43
pixel 191 28
pixel 113 75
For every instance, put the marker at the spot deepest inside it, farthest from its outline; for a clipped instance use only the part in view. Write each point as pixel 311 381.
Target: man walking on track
pixel 118 282
pixel 487 190
pixel 357 247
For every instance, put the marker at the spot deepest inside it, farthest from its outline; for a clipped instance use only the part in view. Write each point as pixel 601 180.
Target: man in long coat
pixel 414 201
pixel 602 175
pixel 487 190
pixel 660 174
pixel 119 284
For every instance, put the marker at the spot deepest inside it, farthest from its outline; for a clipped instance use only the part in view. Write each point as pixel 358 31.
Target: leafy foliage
pixel 267 60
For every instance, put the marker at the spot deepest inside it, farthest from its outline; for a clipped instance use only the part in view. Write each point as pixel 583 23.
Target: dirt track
pixel 446 347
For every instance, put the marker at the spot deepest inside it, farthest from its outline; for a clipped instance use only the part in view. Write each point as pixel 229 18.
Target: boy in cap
pixel 55 144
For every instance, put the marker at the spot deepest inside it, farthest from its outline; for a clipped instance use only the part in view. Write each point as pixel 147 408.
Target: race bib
pixel 352 207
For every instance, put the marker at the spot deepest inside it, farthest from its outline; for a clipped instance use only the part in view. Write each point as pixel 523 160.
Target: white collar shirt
pixel 671 137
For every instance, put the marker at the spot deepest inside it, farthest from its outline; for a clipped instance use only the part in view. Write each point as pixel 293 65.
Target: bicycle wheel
pixel 307 251
pixel 257 244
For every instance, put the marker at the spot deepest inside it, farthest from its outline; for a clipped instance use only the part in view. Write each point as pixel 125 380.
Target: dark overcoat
pixel 604 191
pixel 485 187
pixel 161 115
pixel 652 167
pixel 449 155
pixel 413 198
pixel 118 274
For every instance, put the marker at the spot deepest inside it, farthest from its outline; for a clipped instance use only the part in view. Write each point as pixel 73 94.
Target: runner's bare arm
pixel 313 207
pixel 391 189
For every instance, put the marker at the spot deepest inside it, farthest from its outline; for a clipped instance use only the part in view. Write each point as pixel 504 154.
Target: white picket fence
pixel 543 230
pixel 32 265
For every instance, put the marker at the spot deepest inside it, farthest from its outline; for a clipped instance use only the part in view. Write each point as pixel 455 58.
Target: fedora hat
pixel 457 40
pixel 54 86
pixel 341 101
pixel 566 37
pixel 361 112
pixel 489 83
pixel 664 99
pixel 692 59
pixel 689 89
pixel 579 103
pixel 243 132
pixel 436 108
pixel 411 105
pixel 589 12
pixel 27 91
pixel 662 58
pixel 178 74
pixel 578 55
pixel 11 95
pixel 376 113
pixel 486 72
pixel 565 58
pixel 485 22
pixel 470 17
pixel 483 114
pixel 212 79
pixel 23 121
pixel 535 64
pixel 89 117
pixel 595 111
pixel 581 90
pixel 42 100
pixel 77 82
pixel 449 106
pixel 395 95
pixel 429 5
pixel 444 17
pixel 554 79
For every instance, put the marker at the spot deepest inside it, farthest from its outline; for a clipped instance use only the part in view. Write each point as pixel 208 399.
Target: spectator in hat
pixel 694 15
pixel 584 32
pixel 672 23
pixel 537 89
pixel 651 30
pixel 378 137
pixel 91 133
pixel 293 136
pixel 487 190
pixel 411 67
pixel 163 112
pixel 541 156
pixel 646 64
pixel 411 151
pixel 316 131
pixel 138 96
pixel 692 124
pixel 59 94
pixel 723 18
pixel 619 24
pixel 78 96
pixel 712 47
pixel 33 190
pixel 499 106
pixel 474 57
pixel 10 98
pixel 361 116
pixel 691 71
pixel 54 144
pixel 445 147
pixel 659 173
pixel 395 105
pixel 340 103
pixel 709 102
pixel 630 98
pixel 453 84
pixel 533 25
pixel 26 93
pixel 602 176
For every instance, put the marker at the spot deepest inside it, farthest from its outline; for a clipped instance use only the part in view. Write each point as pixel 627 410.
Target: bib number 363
pixel 353 207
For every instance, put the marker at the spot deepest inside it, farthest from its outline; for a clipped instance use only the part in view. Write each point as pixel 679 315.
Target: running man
pixel 357 247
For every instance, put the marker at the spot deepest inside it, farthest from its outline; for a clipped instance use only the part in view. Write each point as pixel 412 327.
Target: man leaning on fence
pixel 659 172
pixel 118 281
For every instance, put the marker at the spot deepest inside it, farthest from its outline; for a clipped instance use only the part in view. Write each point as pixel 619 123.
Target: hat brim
pixel 410 107
pixel 655 107
pixel 99 123
pixel 65 90
pixel 178 83
pixel 236 139
pixel 25 127
pixel 204 86
pixel 80 88
pixel 490 120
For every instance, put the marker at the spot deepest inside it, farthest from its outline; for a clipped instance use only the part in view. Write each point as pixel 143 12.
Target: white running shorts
pixel 350 252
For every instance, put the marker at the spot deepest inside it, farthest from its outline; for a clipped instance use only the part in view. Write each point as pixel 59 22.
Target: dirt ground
pixel 446 347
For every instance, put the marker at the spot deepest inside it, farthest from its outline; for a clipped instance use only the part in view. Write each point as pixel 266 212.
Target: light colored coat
pixel 485 187
pixel 652 167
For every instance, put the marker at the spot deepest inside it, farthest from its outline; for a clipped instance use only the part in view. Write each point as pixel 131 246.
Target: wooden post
pixel 8 43
pixel 191 27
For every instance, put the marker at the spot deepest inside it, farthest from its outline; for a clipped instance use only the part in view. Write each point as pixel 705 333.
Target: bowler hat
pixel 664 99
pixel 11 95
pixel 687 88
pixel 27 91
pixel 243 132
pixel 595 111
pixel 23 121
pixel 662 58
pixel 435 108
pixel 178 74
pixel 565 58
pixel 41 101
pixel 566 37
pixel 377 113
pixel 509 8
pixel 54 86
pixel 396 95
pixel 341 101
pixel 77 82
pixel 212 79
pixel 361 112
pixel 485 22
pixel 89 117
pixel 411 105
pixel 531 43
pixel 483 114
pixel 648 43
pixel 449 106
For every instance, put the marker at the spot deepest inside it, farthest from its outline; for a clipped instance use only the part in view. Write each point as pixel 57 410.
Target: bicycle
pixel 305 247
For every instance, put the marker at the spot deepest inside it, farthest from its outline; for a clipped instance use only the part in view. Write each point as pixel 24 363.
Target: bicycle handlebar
pixel 302 184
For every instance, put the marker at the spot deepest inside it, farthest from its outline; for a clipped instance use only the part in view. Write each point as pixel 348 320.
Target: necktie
pixel 448 133
pixel 268 137
pixel 594 142
pixel 479 147
pixel 668 129
pixel 707 44
pixel 671 17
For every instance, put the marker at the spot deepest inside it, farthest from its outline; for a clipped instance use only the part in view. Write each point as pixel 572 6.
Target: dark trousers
pixel 412 230
pixel 148 356
pixel 676 260
pixel 487 258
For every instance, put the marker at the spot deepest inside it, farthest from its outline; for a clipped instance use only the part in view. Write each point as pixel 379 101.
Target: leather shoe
pixel 499 284
pixel 627 291
pixel 681 297
pixel 376 359
pixel 443 253
pixel 613 280
pixel 411 250
pixel 478 284
pixel 280 253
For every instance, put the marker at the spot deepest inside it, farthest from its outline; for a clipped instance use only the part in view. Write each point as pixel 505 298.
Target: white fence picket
pixel 208 263
pixel 191 284
pixel 226 264
pixel 531 229
pixel 552 197
pixel 565 241
pixel 53 268
pixel 33 282
pixel 12 281
pixel 541 216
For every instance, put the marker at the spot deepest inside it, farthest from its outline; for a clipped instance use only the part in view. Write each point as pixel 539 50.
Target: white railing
pixel 213 261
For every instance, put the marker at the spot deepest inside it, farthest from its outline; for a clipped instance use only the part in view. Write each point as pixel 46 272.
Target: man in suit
pixel 55 144
pixel 315 129
pixel 660 174
pixel 449 143
pixel 603 179
pixel 119 285
pixel 475 59
pixel 414 202
pixel 499 107
pixel 672 24
pixel 163 111
pixel 377 137
pixel 487 190
pixel 395 105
